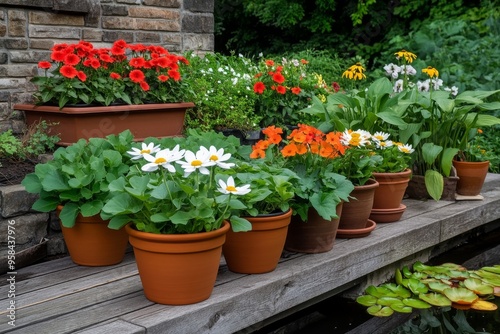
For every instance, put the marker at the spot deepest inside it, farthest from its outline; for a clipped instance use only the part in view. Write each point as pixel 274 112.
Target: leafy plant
pixel 78 176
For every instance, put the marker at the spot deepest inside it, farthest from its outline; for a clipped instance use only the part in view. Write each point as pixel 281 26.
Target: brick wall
pixel 29 28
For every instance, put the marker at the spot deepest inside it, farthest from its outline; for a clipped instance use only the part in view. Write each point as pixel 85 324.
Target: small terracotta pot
pixel 356 212
pixel 178 269
pixel 259 250
pixel 417 189
pixel 391 189
pixel 91 243
pixel 471 176
pixel 317 235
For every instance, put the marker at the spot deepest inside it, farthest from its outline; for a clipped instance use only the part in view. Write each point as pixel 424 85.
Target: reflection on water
pixel 449 320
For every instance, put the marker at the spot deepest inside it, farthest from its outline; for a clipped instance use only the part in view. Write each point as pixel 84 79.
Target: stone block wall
pixel 29 28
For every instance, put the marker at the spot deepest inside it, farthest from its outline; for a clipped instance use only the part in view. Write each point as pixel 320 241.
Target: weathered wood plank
pixel 115 327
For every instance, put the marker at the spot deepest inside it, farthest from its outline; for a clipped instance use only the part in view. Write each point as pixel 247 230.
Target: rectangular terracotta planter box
pixel 143 120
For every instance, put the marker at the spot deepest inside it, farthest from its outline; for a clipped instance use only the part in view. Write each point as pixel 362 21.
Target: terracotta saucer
pixel 387 215
pixel 357 233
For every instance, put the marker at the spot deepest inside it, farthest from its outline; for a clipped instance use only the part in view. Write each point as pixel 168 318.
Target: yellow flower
pixel 355 72
pixel 407 55
pixel 431 71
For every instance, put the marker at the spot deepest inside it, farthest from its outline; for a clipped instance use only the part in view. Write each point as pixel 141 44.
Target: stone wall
pixel 29 28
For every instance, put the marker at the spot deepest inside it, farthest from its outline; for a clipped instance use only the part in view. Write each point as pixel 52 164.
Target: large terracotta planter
pixel 471 176
pixel 178 269
pixel 91 243
pixel 143 120
pixel 317 235
pixel 259 250
pixel 356 212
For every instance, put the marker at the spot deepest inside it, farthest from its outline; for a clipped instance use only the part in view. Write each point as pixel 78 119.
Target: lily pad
pixel 401 307
pixel 379 311
pixel 453 266
pixel 461 306
pixel 416 303
pixel 477 286
pixel 483 305
pixel 495 269
pixel 387 301
pixel 416 286
pixel 399 290
pixel 380 291
pixel 460 296
pixel 438 286
pixel 435 299
pixel 366 300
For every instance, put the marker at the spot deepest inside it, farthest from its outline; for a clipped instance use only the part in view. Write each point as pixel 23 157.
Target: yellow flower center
pixel 231 188
pixel 145 151
pixel 355 139
pixel 214 158
pixel 196 163
pixel 160 161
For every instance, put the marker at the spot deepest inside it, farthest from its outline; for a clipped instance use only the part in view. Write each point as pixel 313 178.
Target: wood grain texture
pixel 60 297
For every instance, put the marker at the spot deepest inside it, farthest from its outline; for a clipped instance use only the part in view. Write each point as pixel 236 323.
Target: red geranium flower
pixel 278 77
pixel 136 76
pixel 82 76
pixel 259 87
pixel 68 71
pixel 44 64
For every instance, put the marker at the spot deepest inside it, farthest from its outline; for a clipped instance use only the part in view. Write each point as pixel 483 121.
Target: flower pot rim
pixel 404 172
pixel 99 109
pixel 401 208
pixel 179 238
pixel 273 214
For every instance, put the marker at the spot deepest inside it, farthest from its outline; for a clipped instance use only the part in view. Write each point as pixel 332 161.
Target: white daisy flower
pixel 380 136
pixel 230 188
pixel 383 144
pixel 163 158
pixel 199 161
pixel 218 157
pixel 145 149
pixel 406 148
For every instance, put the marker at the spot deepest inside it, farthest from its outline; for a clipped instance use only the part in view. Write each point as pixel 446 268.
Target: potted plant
pixel 393 175
pixel 319 191
pixel 76 183
pixel 93 92
pixel 177 205
pixel 268 210
pixel 472 164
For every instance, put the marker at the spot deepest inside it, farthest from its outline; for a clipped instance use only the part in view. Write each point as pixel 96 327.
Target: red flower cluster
pixel 275 78
pixel 124 73
pixel 75 60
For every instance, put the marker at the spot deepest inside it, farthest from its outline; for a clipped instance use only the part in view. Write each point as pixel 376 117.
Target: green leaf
pixel 239 224
pixel 366 300
pixel 401 307
pixel 434 184
pixel 460 295
pixel 32 184
pixel 379 311
pixel 416 303
pixel 92 208
pixel 68 214
pixel 117 222
pixel 46 204
pixel 430 152
pixel 54 181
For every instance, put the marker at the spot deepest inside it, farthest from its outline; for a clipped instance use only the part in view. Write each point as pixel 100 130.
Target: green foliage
pixel 79 175
pixel 224 97
pixel 35 141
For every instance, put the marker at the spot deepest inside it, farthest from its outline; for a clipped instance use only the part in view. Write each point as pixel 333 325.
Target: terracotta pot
pixel 317 235
pixel 91 243
pixel 259 250
pixel 391 189
pixel 143 120
pixel 178 269
pixel 356 212
pixel 416 187
pixel 471 176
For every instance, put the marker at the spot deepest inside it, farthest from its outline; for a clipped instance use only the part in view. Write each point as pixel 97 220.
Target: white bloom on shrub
pixel 408 69
pixel 398 86
pixel 163 158
pixel 423 86
pixel 230 188
pixel 218 157
pixel 436 83
pixel 392 70
pixel 145 149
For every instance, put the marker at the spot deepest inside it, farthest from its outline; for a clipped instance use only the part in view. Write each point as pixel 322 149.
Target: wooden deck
pixel 61 297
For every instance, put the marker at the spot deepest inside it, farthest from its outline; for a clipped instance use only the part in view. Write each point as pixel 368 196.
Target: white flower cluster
pixel 394 71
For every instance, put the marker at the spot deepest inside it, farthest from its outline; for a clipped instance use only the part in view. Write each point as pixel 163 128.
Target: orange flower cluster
pixel 304 139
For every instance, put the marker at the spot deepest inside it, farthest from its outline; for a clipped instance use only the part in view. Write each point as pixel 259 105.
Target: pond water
pixel 340 315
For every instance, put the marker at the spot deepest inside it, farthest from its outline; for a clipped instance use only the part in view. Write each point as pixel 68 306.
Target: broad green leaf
pixel 91 208
pixel 31 183
pixel 460 295
pixel 366 300
pixel 117 222
pixel 401 307
pixel 434 183
pixel 435 299
pixel 239 224
pixel 68 214
pixel 45 204
pixel 477 286
pixel 379 311
pixel 387 301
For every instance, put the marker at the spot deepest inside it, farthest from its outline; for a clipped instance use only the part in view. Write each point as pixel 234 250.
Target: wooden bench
pixel 60 297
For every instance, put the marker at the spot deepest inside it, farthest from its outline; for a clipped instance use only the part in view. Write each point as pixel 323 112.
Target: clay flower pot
pixel 387 205
pixel 317 235
pixel 356 212
pixel 259 250
pixel 178 269
pixel 471 176
pixel 91 243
